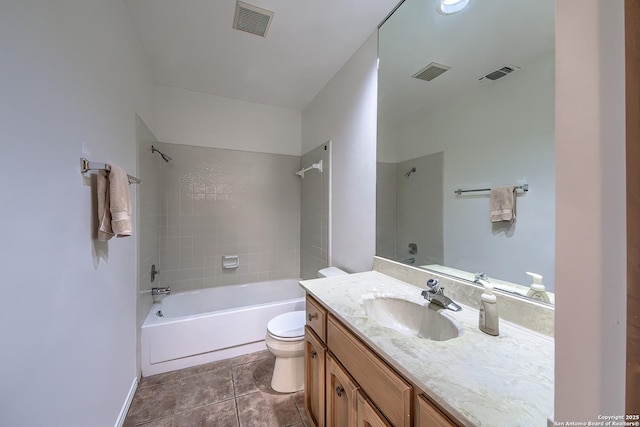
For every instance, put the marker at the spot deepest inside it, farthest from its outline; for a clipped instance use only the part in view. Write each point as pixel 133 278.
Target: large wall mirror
pixel 466 101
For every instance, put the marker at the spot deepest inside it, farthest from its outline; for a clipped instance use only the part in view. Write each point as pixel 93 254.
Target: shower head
pixel 164 156
pixel 413 169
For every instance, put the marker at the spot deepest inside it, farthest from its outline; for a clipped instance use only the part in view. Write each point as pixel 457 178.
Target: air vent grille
pixel 431 71
pixel 252 19
pixel 500 73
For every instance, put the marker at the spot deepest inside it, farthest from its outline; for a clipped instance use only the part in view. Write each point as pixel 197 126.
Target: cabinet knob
pixel 312 316
pixel 313 354
pixel 339 390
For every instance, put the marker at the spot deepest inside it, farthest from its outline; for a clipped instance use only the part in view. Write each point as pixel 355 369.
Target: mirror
pixel 484 119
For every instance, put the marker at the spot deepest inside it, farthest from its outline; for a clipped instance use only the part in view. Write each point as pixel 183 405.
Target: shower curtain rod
pixel 318 166
pixel 86 166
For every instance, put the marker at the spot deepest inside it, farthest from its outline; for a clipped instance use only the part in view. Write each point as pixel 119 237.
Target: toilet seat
pixel 287 326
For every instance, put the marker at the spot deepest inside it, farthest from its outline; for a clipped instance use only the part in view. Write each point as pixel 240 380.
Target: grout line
pixel 235 395
pixel 202 406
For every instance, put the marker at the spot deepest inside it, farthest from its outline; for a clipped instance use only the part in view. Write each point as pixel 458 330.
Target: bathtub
pixel 202 326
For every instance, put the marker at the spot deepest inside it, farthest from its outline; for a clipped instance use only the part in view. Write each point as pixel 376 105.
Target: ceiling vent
pixel 431 71
pixel 252 19
pixel 500 73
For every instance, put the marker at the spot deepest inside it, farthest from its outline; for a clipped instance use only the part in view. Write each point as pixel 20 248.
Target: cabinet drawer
pixel 388 391
pixel 430 416
pixel 316 318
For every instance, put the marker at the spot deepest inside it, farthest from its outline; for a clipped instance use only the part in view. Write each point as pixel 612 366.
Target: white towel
pixel 120 202
pixel 104 215
pixel 502 204
pixel 114 204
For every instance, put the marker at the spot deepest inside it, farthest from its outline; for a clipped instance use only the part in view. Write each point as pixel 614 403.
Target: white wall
pixel 591 234
pixel 345 112
pixel 194 118
pixel 72 77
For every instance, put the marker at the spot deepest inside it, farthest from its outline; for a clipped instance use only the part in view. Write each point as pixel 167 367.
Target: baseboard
pixel 127 403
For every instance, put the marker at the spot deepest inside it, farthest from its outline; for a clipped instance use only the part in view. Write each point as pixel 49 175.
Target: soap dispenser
pixel 488 322
pixel 537 289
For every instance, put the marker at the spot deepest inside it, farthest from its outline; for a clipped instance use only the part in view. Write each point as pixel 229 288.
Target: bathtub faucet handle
pixel 161 291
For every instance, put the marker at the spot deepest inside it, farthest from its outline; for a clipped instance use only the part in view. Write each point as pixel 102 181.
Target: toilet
pixel 285 340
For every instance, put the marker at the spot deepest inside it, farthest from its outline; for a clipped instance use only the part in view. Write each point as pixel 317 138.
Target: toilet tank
pixel 331 272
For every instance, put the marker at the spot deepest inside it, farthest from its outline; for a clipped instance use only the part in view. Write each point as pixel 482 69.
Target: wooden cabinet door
pixel 430 416
pixel 314 378
pixel 387 390
pixel 368 415
pixel 341 396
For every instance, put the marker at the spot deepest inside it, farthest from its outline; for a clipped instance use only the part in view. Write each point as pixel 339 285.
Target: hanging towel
pixel 114 204
pixel 502 204
pixel 120 202
pixel 104 215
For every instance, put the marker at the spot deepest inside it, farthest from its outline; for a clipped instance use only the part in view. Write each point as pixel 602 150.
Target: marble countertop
pixel 482 380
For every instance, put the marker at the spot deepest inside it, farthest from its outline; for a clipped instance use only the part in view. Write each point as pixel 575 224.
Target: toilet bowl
pixel 285 340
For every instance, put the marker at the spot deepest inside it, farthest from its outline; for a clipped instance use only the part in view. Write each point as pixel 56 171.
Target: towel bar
pixel 86 166
pixel 523 187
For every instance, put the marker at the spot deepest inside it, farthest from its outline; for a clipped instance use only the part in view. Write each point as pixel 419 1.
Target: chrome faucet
pixel 161 291
pixel 435 294
pixel 480 276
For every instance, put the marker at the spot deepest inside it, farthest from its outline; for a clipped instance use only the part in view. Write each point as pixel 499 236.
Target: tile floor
pixel 232 392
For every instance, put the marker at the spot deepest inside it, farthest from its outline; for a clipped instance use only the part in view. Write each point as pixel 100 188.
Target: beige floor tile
pixel 164 422
pixel 229 393
pixel 221 414
pixel 254 376
pixel 262 409
pixel 152 403
pixel 204 389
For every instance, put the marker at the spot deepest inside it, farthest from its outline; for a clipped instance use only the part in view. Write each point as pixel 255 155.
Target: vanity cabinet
pixel 430 416
pixel 314 378
pixel 368 415
pixel 387 390
pixel 341 392
pixel 316 318
pixel 349 385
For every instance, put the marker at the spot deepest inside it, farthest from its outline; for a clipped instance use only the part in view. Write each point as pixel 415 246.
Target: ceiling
pixel 480 39
pixel 191 45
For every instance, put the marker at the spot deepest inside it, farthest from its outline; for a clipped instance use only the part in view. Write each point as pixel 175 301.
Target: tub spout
pixel 161 291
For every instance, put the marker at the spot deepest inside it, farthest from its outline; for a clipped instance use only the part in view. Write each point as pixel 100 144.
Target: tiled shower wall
pixel 218 202
pixel 386 205
pixel 314 239
pixel 420 210
pixel 410 210
pixel 149 220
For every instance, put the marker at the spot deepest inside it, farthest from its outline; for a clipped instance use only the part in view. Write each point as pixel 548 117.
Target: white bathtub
pixel 213 324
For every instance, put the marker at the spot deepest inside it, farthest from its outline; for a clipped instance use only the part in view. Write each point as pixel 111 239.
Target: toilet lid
pixel 287 325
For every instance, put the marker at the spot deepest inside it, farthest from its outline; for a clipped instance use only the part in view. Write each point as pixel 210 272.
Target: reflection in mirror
pixel 466 101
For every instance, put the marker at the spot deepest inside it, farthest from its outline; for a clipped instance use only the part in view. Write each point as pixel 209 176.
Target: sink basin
pixel 411 319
